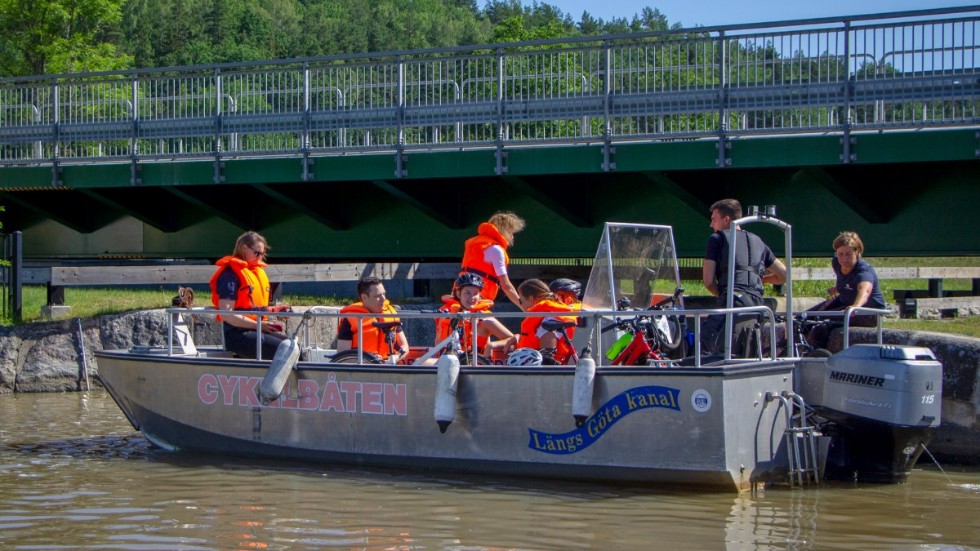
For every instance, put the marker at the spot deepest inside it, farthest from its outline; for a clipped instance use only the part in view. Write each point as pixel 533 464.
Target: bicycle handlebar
pixel 386 325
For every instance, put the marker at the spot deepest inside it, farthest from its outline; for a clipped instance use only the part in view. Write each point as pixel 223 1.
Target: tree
pixel 59 36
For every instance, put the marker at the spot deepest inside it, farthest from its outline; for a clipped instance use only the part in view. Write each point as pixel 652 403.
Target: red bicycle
pixel 560 327
pixel 651 340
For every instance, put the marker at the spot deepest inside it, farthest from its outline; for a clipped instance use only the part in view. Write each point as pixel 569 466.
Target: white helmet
pixel 524 356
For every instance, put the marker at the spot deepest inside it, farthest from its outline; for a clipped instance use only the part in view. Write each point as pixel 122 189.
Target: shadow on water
pixel 134 447
pixel 130 446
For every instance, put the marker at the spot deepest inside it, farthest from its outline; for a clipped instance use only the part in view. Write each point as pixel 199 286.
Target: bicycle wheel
pixel 350 357
pixel 673 338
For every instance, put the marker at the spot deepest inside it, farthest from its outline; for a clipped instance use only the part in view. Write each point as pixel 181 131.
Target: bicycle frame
pixel 638 351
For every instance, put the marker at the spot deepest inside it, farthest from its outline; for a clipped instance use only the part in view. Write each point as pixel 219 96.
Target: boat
pixel 738 421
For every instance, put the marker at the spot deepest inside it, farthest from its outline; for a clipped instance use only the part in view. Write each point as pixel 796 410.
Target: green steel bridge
pixel 866 123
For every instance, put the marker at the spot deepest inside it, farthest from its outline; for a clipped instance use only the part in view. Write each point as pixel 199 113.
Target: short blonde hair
pixel 849 239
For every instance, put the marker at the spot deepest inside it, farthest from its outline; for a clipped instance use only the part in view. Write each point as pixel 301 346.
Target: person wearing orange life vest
pixel 536 297
pixel 374 300
pixel 240 283
pixel 466 298
pixel 486 254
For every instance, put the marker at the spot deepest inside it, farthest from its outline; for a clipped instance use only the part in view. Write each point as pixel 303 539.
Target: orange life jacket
pixel 444 325
pixel 374 338
pixel 529 328
pixel 253 284
pixel 474 263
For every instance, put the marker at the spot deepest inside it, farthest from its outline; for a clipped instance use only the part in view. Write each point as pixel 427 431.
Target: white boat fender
pixel 582 387
pixel 447 375
pixel 285 359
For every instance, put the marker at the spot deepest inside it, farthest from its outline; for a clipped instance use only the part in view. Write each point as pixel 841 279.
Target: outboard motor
pixel 880 403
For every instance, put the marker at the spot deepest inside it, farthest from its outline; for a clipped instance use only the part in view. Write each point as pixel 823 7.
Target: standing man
pixel 755 265
pixel 486 254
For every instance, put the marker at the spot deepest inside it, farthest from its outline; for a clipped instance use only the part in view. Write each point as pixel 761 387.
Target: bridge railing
pixel 890 71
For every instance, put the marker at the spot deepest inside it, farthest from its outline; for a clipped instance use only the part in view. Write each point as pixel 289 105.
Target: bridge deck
pixel 872 118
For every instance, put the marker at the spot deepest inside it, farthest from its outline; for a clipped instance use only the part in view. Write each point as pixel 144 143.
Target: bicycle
pixel 560 327
pixel 653 339
pixel 802 325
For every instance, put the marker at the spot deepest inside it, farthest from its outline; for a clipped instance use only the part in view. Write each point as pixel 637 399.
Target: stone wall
pixel 48 357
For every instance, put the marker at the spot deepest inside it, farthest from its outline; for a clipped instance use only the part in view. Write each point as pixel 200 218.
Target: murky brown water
pixel 73 474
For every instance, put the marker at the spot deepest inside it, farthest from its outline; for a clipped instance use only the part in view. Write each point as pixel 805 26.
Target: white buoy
pixel 582 388
pixel 447 375
pixel 287 354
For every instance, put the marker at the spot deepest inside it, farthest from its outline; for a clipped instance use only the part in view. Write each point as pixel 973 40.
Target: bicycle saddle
pixel 552 324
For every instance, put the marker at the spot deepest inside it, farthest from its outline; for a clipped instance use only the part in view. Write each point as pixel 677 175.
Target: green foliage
pixel 64 36
pixel 189 32
pixel 88 302
pixel 59 36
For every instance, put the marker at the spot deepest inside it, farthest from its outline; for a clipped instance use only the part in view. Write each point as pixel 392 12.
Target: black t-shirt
pixel 716 250
pixel 847 285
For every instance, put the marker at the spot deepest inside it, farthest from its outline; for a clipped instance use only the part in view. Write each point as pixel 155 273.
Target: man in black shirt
pixel 755 265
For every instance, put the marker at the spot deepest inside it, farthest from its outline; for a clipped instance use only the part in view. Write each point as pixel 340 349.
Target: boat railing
pixel 769 325
pixel 299 324
pixel 847 315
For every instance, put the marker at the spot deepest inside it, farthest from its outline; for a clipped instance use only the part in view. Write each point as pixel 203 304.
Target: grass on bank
pixel 89 302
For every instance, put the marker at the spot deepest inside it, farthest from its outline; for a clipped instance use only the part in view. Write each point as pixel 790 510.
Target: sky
pixel 726 12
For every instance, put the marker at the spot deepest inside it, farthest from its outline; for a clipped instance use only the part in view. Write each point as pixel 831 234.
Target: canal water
pixel 74 475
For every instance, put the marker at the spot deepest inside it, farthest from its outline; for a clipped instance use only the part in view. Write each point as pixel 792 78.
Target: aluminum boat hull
pixel 707 426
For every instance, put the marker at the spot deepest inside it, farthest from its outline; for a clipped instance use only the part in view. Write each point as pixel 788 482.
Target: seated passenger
pixel 373 301
pixel 466 298
pixel 567 291
pixel 240 283
pixel 857 285
pixel 535 296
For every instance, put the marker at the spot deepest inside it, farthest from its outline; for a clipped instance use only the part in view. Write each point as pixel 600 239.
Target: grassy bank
pixel 90 302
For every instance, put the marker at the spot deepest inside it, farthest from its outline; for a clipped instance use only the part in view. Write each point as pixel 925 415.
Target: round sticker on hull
pixel 701 400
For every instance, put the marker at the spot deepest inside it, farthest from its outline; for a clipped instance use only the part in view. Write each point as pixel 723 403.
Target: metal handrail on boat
pixel 595 316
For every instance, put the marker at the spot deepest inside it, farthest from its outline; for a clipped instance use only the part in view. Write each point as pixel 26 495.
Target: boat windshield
pixel 635 266
pixel 636 262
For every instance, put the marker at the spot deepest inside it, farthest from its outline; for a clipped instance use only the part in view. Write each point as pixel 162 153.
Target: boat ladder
pixel 801 438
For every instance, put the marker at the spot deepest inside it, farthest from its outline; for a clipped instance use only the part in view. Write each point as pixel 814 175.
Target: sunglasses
pixel 260 254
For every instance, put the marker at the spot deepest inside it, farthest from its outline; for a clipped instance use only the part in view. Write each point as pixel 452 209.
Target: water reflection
pixel 74 474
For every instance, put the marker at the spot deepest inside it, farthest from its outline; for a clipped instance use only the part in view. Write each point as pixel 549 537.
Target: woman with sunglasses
pixel 240 283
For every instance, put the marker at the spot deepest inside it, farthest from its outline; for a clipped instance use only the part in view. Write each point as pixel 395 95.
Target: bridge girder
pixel 335 214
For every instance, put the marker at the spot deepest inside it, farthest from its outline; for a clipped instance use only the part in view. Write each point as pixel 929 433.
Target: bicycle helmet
pixel 566 285
pixel 468 279
pixel 524 356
